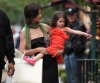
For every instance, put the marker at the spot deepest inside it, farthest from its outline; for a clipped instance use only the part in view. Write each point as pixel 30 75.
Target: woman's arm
pixel 33 51
pixel 59 52
pixel 22 45
pixel 78 32
pixel 48 29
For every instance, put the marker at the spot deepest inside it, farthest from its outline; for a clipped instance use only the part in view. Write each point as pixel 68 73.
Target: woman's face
pixel 38 17
pixel 60 22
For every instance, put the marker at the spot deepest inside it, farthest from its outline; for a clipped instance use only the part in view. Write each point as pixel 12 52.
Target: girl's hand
pixel 87 35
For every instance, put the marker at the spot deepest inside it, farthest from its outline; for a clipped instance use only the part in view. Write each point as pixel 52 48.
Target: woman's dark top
pixel 50 68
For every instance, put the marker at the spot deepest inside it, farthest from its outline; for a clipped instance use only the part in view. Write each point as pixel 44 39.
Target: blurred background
pixel 89 14
pixel 14 10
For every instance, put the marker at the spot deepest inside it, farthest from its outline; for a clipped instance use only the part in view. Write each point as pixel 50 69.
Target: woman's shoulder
pixel 46 26
pixel 22 31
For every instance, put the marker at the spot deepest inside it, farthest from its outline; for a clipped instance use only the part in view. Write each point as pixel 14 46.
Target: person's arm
pixel 33 51
pixel 9 50
pixel 22 46
pixel 60 52
pixel 48 29
pixel 78 32
pixel 9 43
pixel 40 49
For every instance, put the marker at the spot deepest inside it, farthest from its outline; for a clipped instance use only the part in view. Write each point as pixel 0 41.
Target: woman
pixel 57 38
pixel 32 13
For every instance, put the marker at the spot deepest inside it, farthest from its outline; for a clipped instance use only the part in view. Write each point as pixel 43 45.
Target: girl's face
pixel 60 23
pixel 37 18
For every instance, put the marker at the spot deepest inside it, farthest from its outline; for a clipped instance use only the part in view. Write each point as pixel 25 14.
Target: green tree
pixel 15 10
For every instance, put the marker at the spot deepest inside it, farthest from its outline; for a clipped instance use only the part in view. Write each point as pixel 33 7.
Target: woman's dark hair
pixel 31 10
pixel 56 16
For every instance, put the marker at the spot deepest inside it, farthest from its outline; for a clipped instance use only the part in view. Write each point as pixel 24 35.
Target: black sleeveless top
pixel 50 69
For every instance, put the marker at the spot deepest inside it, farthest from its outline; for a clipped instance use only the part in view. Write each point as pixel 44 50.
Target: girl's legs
pixel 38 56
pixel 33 59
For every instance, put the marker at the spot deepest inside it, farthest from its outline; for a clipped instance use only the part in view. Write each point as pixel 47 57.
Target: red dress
pixel 57 41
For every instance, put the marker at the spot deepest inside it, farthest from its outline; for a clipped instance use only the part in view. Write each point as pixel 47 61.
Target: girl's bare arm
pixel 78 32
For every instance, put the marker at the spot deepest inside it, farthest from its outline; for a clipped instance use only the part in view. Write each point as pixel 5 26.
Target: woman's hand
pixel 30 52
pixel 59 52
pixel 42 50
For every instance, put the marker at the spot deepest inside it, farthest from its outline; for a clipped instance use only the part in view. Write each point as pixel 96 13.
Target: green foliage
pixel 63 77
pixel 62 74
pixel 97 62
pixel 60 71
pixel 84 3
pixel 15 8
pixel 93 76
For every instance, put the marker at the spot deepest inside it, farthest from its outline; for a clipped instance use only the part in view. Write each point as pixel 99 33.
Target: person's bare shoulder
pixel 48 28
pixel 22 33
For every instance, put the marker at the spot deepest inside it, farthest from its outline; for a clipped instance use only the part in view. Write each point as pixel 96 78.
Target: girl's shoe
pixel 29 60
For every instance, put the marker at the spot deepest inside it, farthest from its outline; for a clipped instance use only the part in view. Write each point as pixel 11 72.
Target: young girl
pixel 57 38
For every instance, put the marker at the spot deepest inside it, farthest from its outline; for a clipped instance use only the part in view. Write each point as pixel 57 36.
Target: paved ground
pixel 8 80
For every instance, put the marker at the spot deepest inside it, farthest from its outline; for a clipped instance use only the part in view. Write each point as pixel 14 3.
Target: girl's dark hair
pixel 31 10
pixel 56 16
